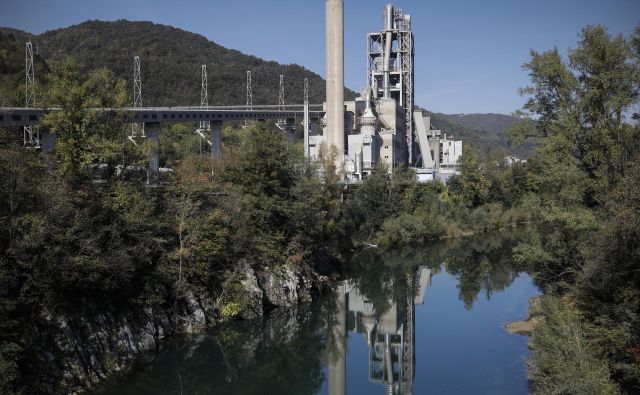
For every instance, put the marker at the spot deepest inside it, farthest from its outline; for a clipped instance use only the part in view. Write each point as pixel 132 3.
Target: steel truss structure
pixel 137 99
pixel 30 134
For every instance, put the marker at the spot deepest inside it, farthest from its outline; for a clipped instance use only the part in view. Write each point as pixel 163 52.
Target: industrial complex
pixel 382 126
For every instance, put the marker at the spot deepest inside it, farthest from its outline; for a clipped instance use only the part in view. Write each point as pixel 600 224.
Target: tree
pixel 472 185
pixel 585 102
pixel 77 121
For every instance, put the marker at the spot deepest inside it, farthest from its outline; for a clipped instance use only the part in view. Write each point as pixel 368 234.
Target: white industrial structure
pixel 381 126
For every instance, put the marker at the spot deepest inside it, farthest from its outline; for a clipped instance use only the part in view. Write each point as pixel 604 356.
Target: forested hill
pixel 485 131
pixel 171 60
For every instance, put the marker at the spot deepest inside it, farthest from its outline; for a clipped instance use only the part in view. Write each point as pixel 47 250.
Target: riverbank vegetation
pixel 76 243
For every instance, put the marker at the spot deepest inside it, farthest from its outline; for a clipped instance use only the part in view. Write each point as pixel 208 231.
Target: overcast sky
pixel 468 52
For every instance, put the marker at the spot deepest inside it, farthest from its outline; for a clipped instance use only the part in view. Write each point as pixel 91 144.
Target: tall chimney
pixel 335 76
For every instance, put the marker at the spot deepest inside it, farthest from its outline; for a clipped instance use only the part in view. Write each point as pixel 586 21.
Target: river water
pixel 408 321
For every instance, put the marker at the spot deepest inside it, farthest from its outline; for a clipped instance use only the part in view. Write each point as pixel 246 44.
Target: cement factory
pixel 381 126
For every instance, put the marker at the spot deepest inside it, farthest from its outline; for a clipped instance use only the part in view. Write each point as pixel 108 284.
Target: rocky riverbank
pixel 84 350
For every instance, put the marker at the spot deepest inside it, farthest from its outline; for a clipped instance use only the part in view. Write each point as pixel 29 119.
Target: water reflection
pixel 361 339
pixel 388 329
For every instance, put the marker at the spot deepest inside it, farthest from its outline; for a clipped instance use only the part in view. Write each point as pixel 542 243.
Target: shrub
pixel 562 361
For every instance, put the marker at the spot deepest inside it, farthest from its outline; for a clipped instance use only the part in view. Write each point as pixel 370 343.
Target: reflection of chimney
pixel 335 75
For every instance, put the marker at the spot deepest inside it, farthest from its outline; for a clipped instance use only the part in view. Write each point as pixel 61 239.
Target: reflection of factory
pixel 389 335
pixel 381 126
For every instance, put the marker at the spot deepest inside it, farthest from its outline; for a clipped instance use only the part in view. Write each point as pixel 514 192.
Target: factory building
pixel 381 126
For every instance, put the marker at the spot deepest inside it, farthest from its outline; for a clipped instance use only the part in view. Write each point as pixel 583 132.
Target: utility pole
pixel 30 135
pixel 281 94
pixel 137 98
pixel 305 122
pixel 204 103
pixel 249 96
pixel 204 96
pixel 249 92
pixel 281 122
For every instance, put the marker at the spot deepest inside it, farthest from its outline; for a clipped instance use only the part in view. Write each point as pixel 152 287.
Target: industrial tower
pixel 390 55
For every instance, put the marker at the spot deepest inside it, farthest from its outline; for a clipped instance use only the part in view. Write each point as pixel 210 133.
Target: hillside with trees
pixel 171 60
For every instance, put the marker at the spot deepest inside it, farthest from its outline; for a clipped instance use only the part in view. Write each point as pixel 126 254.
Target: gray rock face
pixel 88 350
pixel 254 304
pixel 280 286
pixel 85 350
pixel 286 286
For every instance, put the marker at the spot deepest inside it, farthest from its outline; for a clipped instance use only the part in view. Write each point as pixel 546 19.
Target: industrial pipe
pixel 388 13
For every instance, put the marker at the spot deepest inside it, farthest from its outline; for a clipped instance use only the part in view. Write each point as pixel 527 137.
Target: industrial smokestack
pixel 335 75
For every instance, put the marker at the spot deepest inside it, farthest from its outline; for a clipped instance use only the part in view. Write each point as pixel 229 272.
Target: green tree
pixel 76 124
pixel 472 185
pixel 584 102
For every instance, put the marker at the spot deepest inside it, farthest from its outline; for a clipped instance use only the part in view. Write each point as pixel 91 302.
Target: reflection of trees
pixel 281 354
pixel 483 264
pixel 382 276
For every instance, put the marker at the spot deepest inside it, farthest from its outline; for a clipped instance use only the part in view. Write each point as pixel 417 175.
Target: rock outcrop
pixel 83 351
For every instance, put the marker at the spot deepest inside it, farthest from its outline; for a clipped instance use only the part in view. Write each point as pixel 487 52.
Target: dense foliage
pixel 74 244
pixel 585 171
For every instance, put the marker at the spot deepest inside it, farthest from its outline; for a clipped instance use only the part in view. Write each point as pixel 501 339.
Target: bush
pixel 562 361
pixel 410 228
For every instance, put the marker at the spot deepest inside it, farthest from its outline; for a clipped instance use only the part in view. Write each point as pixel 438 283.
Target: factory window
pixel 1 118
pixel 15 117
pixel 173 116
pixel 33 117
pixel 188 116
pixel 145 116
pixel 386 156
pixel 154 116
pixel 386 147
pixel 164 116
pixel 180 116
